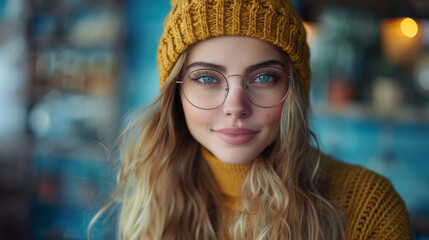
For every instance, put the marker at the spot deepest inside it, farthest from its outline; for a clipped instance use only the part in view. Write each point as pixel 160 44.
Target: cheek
pixel 272 115
pixel 271 121
pixel 194 117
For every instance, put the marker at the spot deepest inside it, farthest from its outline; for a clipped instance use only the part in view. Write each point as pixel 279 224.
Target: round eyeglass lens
pixel 267 87
pixel 205 88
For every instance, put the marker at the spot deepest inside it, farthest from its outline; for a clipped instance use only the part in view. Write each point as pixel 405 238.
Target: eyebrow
pixel 248 69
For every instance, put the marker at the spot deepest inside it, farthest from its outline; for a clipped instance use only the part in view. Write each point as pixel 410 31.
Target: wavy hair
pixel 166 189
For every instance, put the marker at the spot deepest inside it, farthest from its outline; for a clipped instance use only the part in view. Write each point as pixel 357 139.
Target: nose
pixel 236 103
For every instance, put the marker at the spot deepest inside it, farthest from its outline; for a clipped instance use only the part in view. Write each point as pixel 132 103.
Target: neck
pixel 228 177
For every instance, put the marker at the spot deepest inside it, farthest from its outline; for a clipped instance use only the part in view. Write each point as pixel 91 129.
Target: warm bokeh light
pixel 409 27
pixel 397 46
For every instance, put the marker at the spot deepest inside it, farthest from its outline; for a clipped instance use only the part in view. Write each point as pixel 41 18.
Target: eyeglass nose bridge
pixel 245 87
pixel 236 75
pixel 243 76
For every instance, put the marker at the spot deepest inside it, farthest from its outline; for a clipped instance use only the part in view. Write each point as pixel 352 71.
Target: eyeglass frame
pixel 244 76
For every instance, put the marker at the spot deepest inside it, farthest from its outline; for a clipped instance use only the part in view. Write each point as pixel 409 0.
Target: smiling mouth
pixel 236 136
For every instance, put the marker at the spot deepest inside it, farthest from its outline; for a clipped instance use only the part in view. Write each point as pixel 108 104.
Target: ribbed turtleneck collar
pixel 229 178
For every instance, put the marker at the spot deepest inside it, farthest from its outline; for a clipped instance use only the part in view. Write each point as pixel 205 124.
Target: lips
pixel 236 136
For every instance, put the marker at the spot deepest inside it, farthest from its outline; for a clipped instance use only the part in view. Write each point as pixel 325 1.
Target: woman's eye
pixel 206 79
pixel 264 78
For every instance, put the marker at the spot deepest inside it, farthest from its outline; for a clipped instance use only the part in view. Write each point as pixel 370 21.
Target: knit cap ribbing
pixel 275 21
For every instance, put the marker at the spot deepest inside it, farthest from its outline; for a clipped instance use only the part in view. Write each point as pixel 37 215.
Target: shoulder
pixel 373 208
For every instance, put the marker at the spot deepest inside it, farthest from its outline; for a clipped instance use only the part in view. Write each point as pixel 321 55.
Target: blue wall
pixel 145 24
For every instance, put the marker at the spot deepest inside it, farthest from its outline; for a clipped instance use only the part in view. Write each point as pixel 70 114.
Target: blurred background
pixel 71 71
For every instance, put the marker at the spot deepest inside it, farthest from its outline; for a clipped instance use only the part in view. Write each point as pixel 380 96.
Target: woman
pixel 225 151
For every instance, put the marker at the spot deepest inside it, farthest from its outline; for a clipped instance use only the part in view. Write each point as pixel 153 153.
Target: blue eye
pixel 264 78
pixel 206 79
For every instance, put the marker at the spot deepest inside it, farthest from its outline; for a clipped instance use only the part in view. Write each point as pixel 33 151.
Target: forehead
pixel 233 52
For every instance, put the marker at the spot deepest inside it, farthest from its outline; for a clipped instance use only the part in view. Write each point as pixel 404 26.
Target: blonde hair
pixel 168 192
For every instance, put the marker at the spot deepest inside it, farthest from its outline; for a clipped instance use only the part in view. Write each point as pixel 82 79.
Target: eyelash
pixel 203 74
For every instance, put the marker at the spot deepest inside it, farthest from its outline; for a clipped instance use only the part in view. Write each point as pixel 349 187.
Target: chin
pixel 235 156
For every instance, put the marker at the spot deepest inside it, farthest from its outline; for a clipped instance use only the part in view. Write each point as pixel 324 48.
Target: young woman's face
pixel 236 131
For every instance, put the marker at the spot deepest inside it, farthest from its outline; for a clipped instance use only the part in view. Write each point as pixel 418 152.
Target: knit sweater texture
pixel 373 208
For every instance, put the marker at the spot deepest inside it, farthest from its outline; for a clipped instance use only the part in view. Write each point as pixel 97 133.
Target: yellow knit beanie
pixel 275 21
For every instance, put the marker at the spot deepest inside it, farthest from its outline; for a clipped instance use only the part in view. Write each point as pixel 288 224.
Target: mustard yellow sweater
pixel 373 208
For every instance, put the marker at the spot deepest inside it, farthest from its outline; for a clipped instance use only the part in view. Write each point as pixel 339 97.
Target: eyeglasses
pixel 208 88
